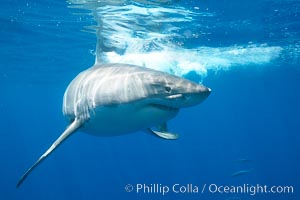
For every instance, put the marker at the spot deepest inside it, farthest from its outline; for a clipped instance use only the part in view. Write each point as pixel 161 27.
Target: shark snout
pixel 206 91
pixel 199 89
pixel 196 96
pixel 191 97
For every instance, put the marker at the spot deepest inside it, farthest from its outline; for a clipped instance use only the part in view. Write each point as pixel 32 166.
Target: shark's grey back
pixel 109 84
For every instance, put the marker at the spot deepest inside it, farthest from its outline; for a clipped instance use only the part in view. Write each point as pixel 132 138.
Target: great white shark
pixel 115 99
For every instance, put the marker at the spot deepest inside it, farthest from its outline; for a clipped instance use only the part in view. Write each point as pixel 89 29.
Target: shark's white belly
pixel 126 118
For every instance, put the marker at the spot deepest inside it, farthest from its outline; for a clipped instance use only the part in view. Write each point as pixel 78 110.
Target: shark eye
pixel 168 89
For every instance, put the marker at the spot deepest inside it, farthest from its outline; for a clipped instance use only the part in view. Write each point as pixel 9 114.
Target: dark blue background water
pixel 252 113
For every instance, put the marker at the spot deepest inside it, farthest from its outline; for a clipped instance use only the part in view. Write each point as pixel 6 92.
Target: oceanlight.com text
pixel 164 189
pixel 249 189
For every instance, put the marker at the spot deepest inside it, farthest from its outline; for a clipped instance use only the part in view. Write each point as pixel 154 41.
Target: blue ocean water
pixel 248 53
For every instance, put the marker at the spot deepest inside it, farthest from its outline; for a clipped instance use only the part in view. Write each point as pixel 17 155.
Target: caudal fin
pixel 76 124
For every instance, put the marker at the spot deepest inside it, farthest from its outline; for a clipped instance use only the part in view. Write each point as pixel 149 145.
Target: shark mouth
pixel 164 107
pixel 175 96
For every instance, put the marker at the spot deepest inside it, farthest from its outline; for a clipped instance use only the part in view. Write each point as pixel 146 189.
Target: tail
pixel 75 125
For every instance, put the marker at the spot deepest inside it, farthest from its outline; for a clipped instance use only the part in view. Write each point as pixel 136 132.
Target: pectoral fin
pixel 162 132
pixel 75 125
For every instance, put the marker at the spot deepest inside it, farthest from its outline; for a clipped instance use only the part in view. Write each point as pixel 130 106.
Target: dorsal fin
pixel 75 125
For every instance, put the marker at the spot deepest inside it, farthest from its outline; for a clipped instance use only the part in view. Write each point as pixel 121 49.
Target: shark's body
pixel 115 99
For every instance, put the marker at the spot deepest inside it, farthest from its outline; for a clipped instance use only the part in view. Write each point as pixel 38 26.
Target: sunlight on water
pixel 154 33
pixel 183 61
